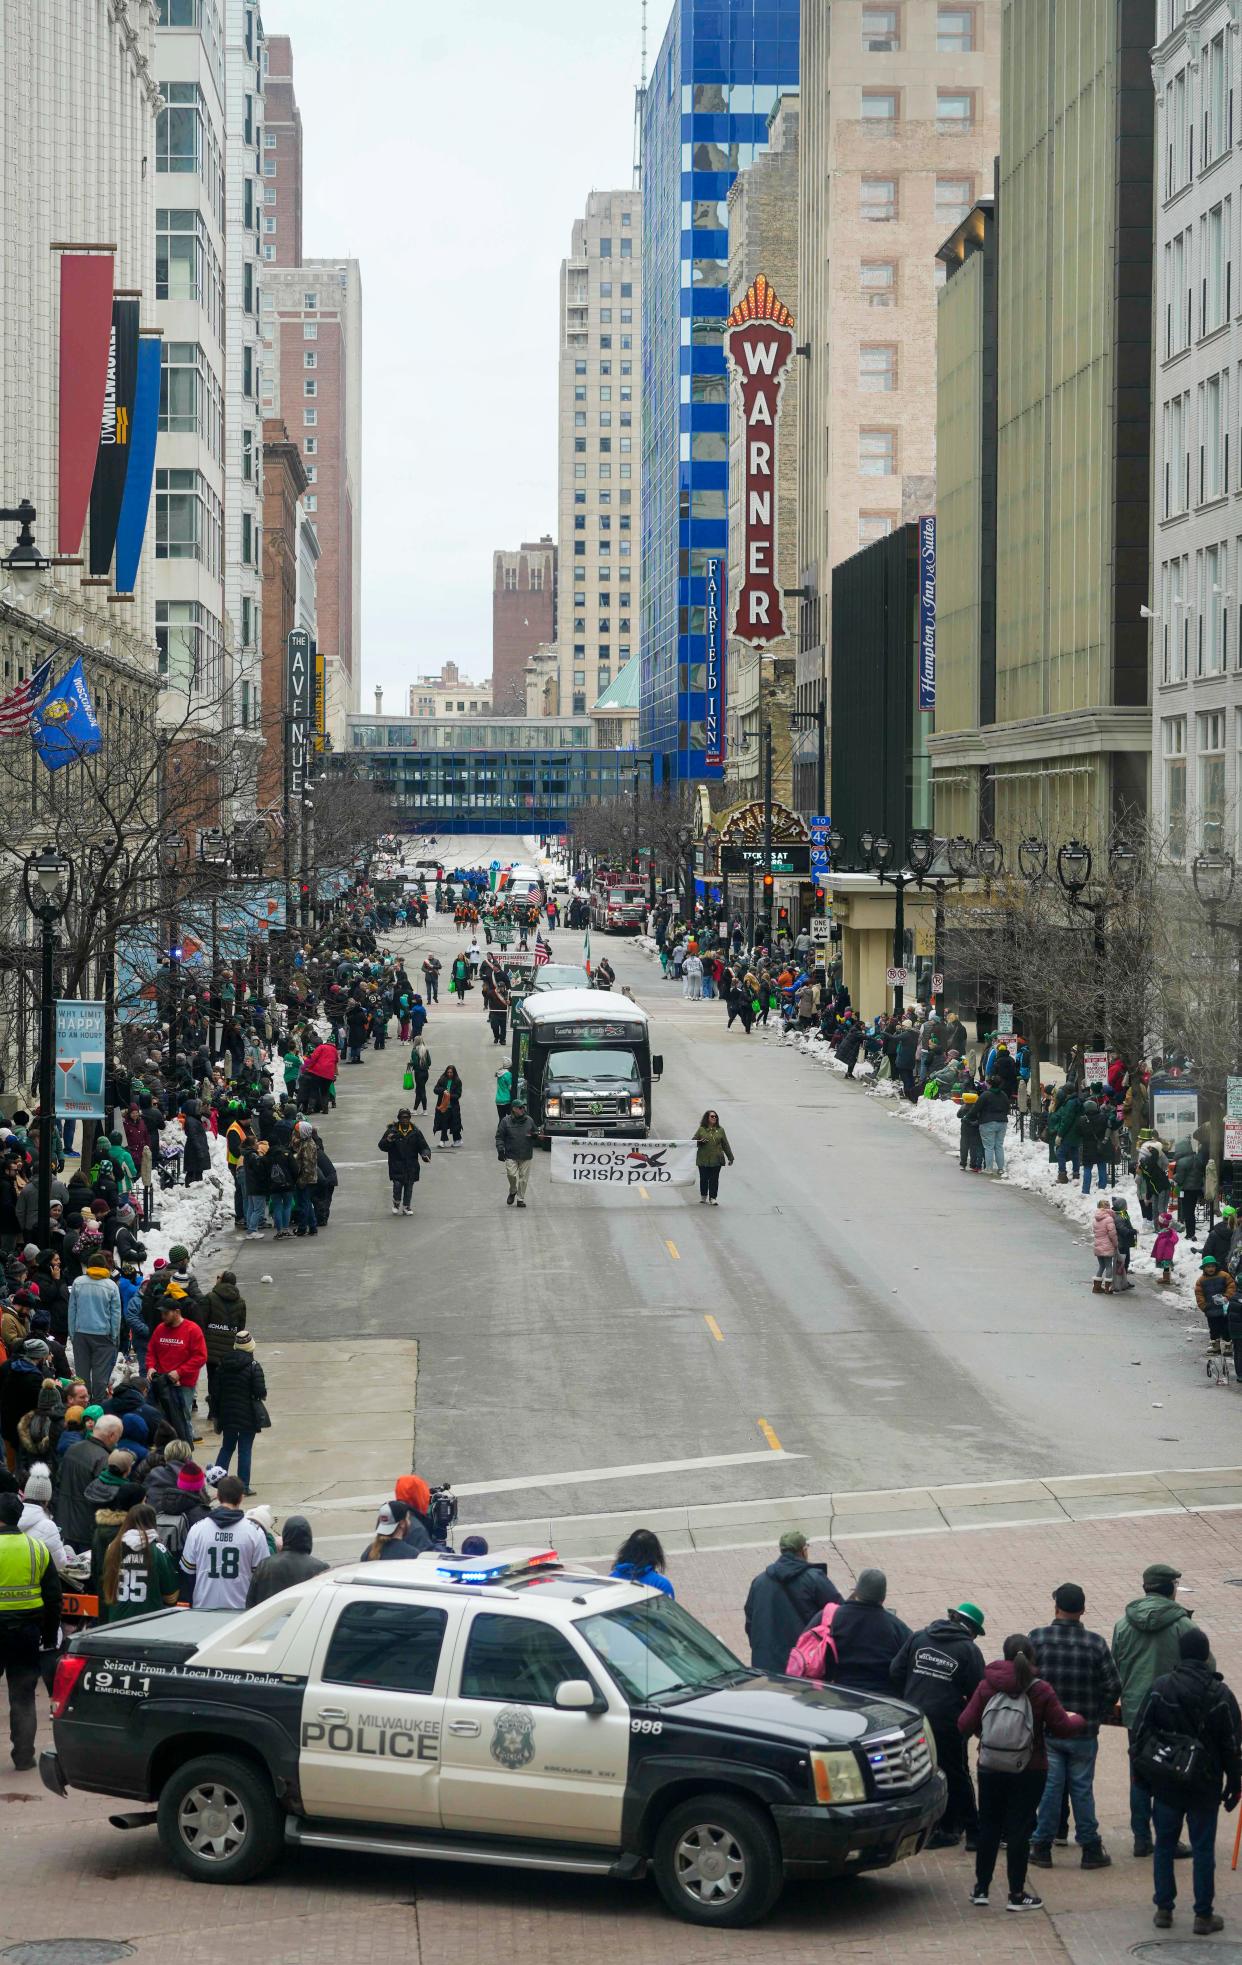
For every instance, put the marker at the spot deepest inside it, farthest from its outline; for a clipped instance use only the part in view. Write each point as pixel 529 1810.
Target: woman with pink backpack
pixel 1011 1710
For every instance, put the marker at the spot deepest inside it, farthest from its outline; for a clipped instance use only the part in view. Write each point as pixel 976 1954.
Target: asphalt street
pixel 855 1314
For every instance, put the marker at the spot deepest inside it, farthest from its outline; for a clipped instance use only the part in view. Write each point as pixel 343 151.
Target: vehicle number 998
pixel 646 1726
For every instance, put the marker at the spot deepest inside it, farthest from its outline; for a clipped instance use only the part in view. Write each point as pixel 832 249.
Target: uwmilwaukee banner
pixel 624 1162
pixel 85 339
pixel 759 346
pixel 115 431
pixel 136 500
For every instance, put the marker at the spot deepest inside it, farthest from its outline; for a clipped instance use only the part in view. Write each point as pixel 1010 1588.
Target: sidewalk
pixel 68 1872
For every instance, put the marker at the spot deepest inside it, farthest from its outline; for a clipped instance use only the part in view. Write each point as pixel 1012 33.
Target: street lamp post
pixel 172 857
pixel 24 563
pixel 921 854
pixel 1074 867
pixel 47 881
pixel 1214 874
pixel 877 853
pixel 685 843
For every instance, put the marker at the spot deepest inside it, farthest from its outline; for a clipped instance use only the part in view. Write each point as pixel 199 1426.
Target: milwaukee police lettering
pixel 377 1736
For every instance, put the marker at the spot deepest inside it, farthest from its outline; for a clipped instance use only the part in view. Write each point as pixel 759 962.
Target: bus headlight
pixel 638 1107
pixel 837 1777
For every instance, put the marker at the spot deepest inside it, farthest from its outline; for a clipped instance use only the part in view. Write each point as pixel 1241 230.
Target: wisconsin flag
pixel 64 726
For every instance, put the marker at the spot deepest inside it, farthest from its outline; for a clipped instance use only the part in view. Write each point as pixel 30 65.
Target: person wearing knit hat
pixel 241 1394
pixel 1192 1702
pixel 160 1473
pixel 35 1518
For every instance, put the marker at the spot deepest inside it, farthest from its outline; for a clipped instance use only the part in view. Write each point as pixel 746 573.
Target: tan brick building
pixel 900 123
pixel 523 618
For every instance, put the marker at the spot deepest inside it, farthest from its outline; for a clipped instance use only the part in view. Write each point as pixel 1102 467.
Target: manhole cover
pixel 1182 1951
pixel 72 1951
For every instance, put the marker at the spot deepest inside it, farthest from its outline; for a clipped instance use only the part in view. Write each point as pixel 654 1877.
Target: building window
pixel 955 30
pixel 954 198
pixel 310 387
pixel 191 402
pixel 269 170
pixel 1173 733
pixel 1176 491
pixel 627 248
pixel 311 446
pixel 1213 437
pixel 955 111
pixel 311 473
pixel 179 131
pixel 269 225
pixel 1210 733
pixel 269 252
pixel 187 518
pixel 1214 611
pixel 310 330
pixel 1217 101
pixel 310 301
pixel 877 368
pixel 879 110
pixel 1177 309
pixel 1177 133
pixel 310 417
pixel 877 453
pixel 877 199
pixel 872 526
pixel 605 248
pixel 881 30
pixel 247 455
pixel 269 139
pixel 248 371
pixel 269 194
pixel 308 357
pixel 580 444
pixel 1217 290
pixel 247 622
pixel 877 280
pixel 312 501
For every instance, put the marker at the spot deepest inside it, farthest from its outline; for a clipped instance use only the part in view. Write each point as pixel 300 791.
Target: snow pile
pixel 1027 1165
pixel 189 1214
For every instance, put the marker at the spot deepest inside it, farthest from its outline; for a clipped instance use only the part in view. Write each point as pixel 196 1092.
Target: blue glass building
pixel 715 82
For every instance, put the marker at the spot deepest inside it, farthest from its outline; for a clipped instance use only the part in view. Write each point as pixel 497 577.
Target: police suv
pixel 508 1710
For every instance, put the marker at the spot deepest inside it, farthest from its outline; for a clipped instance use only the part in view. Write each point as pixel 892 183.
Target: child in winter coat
pixel 1127 1236
pixel 1105 1239
pixel 1164 1247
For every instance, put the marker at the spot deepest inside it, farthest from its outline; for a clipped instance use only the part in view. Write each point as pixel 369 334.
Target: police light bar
pixel 496 1568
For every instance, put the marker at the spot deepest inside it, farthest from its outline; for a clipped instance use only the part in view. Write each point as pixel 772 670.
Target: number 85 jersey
pixel 220 1555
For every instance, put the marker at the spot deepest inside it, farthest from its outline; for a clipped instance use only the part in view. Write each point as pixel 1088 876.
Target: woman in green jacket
pixel 714 1149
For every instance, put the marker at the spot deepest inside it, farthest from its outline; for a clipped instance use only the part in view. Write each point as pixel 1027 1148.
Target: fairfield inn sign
pixel 759 346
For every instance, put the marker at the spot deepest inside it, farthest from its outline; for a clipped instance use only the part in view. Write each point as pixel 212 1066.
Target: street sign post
pixel 896 978
pixel 821 928
pixel 1004 1020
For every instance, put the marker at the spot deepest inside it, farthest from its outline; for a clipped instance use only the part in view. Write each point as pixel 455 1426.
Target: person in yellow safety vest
pixel 235 1146
pixel 30 1600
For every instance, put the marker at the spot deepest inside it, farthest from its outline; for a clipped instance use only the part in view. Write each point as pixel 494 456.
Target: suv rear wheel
pixel 717 1861
pixel 219 1821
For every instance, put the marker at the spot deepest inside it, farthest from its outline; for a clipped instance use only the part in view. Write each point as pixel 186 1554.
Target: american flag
pixel 19 705
pixel 543 953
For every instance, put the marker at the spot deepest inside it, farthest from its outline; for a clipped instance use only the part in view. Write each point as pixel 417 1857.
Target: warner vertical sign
pixel 759 346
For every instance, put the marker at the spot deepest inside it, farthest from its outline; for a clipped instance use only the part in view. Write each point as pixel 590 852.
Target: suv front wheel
pixel 219 1821
pixel 717 1861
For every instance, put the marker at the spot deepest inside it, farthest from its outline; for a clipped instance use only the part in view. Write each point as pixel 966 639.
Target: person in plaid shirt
pixel 1078 1665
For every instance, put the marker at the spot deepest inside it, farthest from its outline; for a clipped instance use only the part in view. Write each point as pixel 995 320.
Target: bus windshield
pixel 620 1066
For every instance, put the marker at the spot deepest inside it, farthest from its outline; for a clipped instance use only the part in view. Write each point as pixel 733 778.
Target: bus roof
pixel 588 1005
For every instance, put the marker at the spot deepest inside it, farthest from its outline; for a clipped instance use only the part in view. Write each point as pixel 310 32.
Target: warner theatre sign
pixel 759 345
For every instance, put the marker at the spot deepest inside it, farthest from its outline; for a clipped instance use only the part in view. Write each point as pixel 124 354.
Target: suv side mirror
pixel 657 1067
pixel 578 1695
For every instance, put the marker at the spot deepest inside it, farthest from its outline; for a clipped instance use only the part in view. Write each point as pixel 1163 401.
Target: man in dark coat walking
pixel 783 1600
pixel 197 1157
pixel 406 1147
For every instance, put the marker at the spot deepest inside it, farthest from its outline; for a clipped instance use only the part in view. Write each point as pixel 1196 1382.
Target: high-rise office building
pixel 899 129
pixel 190 255
pixel 599 450
pixel 524 602
pixel 704 115
pixel 1048 733
pixel 243 421
pixel 282 158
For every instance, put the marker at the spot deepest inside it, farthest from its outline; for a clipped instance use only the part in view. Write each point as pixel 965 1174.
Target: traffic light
pixel 819 899
pixel 782 917
pixel 768 884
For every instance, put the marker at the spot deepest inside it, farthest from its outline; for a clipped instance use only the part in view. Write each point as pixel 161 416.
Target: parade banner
pixel 927 612
pixel 115 430
pixel 136 500
pixel 759 346
pixel 80 1054
pixel 85 341
pixel 624 1162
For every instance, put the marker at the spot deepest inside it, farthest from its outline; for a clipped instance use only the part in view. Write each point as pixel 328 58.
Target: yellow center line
pixel 713 1327
pixel 770 1436
pixel 673 1250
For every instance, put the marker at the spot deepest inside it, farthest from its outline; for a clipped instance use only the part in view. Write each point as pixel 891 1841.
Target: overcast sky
pixel 449 149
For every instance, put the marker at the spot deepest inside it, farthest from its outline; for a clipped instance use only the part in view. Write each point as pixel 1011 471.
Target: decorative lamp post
pixel 47 881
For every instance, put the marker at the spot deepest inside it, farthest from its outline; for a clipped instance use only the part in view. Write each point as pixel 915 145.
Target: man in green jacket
pixel 1144 1648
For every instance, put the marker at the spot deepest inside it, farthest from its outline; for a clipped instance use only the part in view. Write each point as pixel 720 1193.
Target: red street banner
pixel 759 346
pixel 85 339
pixel 115 430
